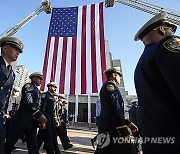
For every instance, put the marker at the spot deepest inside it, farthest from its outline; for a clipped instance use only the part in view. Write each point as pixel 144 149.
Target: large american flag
pixel 75 51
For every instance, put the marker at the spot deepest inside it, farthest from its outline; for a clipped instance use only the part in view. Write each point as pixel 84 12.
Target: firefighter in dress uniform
pixel 157 85
pixel 28 116
pixel 47 108
pixel 61 121
pixel 11 47
pixel 112 122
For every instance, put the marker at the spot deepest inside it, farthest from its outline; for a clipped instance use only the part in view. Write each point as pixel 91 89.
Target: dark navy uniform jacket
pixel 47 106
pixel 28 111
pixel 112 110
pixel 64 115
pixel 15 107
pixel 133 114
pixel 157 81
pixel 6 82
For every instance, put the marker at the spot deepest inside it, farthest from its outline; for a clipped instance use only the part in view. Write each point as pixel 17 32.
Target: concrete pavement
pixel 80 138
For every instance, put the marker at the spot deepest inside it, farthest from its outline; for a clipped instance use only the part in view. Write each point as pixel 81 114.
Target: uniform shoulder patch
pixel 172 44
pixel 28 86
pixel 110 87
pixel 43 95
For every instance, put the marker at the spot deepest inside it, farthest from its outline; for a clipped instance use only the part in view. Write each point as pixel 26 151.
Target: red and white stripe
pixel 77 63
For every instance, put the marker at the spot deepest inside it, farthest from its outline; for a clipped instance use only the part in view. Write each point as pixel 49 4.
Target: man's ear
pixel 113 75
pixel 4 47
pixel 161 30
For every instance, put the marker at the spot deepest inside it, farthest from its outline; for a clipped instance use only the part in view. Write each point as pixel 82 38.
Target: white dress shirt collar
pixel 6 63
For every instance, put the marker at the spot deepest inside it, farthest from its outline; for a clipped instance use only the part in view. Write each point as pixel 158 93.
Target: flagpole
pixel 89 111
pixel 76 108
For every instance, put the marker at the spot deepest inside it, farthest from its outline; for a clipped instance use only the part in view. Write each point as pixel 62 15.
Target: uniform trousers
pixel 8 127
pixel 2 138
pixel 16 133
pixel 62 133
pixel 117 148
pixel 49 137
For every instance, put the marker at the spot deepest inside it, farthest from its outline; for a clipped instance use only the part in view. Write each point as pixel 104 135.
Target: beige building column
pixel 67 107
pixel 76 108
pixel 89 109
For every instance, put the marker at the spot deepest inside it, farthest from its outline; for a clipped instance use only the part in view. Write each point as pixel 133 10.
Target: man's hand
pixel 42 125
pixel 42 122
pixel 42 119
pixel 133 127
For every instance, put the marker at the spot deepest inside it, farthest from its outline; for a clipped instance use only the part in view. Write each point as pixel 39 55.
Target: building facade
pixel 22 76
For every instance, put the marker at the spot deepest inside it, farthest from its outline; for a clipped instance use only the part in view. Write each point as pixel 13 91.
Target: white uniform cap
pixel 37 74
pixel 53 84
pixel 112 70
pixel 13 41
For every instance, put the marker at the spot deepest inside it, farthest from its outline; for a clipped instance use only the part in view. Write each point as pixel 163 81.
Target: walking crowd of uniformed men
pixel 34 117
pixel 157 85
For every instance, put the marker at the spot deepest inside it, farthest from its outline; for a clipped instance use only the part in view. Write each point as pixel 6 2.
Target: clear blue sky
pixel 121 24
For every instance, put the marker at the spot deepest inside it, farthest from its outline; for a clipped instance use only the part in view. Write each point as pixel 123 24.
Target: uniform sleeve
pixel 168 62
pixel 28 88
pixel 114 110
pixel 132 114
pixel 43 102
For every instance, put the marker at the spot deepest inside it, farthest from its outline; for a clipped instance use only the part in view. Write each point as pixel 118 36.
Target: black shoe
pixel 68 146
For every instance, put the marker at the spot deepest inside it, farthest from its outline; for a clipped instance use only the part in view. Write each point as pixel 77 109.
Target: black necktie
pixel 9 67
